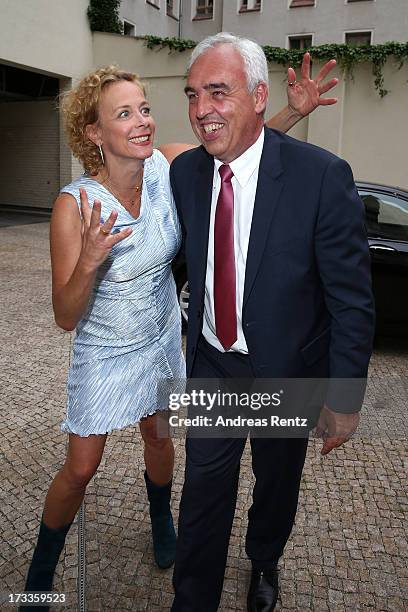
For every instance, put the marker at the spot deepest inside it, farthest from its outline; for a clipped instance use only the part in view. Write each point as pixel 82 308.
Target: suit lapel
pixel 266 199
pixel 202 209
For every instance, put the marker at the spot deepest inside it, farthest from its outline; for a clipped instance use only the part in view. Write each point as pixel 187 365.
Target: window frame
pixel 305 6
pixel 175 14
pixel 241 10
pixel 131 23
pixel 202 17
pixel 359 31
pixel 302 35
pixel 154 3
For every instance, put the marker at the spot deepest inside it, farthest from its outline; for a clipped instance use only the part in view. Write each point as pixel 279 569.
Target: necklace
pixel 129 201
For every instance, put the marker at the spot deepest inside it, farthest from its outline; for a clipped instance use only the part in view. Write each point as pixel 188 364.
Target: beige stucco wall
pixel 51 36
pixel 375 130
pixel 328 20
pixel 164 74
pixel 370 132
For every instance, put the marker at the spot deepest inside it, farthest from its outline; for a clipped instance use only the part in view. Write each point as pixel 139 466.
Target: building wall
pixel 328 20
pixel 387 18
pixel 29 153
pixel 54 38
pixel 50 36
pixel 148 19
pixel 370 132
pixel 374 130
pixel 197 29
pixel 164 75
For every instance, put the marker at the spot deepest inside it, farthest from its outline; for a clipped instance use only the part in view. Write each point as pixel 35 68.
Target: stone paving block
pixel 348 547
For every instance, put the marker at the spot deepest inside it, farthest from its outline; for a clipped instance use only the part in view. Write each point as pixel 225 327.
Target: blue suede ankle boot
pixel 164 535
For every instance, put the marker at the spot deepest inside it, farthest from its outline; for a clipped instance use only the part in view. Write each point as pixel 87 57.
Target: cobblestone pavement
pixel 348 550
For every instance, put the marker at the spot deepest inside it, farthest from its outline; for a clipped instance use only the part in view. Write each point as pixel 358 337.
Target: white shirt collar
pixel 245 165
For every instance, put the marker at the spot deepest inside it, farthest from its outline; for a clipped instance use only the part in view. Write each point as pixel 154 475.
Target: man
pixel 278 270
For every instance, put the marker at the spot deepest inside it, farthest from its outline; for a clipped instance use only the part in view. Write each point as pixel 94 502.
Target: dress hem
pixel 66 429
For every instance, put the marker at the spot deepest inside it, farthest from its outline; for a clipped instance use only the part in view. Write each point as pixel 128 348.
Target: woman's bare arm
pixel 72 280
pixel 77 250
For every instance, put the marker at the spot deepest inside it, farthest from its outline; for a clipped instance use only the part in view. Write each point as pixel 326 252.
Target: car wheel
pixel 184 296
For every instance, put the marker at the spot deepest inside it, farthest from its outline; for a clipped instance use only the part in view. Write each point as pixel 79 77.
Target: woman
pixel 112 282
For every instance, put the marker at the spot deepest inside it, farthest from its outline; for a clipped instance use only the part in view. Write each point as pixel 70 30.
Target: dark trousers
pixel 209 496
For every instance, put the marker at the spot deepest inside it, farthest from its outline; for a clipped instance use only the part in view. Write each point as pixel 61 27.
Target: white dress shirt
pixel 244 184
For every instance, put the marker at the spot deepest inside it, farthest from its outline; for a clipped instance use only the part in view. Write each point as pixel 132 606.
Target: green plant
pixel 347 56
pixel 103 16
pixel 174 44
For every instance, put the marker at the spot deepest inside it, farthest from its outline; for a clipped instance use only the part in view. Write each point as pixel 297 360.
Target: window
pixel 155 3
pixel 358 38
pixel 305 41
pixel 170 8
pixel 129 29
pixel 386 215
pixel 246 6
pixel 298 3
pixel 204 9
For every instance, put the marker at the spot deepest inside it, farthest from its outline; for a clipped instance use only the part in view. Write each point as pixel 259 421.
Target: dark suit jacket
pixel 308 307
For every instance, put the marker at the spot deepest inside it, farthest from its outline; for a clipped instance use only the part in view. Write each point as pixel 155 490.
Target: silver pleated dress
pixel 127 347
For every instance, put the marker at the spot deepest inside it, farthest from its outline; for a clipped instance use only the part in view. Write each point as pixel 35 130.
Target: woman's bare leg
pixel 158 452
pixel 159 460
pixel 61 504
pixel 67 490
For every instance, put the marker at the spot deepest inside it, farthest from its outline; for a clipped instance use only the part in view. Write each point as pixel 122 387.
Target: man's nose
pixel 204 106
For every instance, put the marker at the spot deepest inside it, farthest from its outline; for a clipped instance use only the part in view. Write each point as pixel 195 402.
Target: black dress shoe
pixel 263 591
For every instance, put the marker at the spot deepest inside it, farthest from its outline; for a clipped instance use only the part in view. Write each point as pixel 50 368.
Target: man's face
pixel 225 117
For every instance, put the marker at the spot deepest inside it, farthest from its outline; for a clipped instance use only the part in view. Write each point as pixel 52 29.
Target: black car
pixel 387 230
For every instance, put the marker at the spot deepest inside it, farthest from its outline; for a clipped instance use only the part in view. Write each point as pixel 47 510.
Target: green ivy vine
pixel 103 16
pixel 348 56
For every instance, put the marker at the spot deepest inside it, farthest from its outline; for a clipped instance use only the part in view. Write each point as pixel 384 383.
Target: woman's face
pixel 125 126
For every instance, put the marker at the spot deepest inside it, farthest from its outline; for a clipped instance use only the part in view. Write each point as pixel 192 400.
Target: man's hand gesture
pixel 335 428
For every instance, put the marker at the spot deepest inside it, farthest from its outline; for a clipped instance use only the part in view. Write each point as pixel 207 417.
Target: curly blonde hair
pixel 80 108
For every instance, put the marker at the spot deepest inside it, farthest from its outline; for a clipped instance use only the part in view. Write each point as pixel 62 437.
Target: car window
pixel 386 215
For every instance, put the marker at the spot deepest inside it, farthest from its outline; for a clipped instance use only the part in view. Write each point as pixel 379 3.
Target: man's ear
pixel 261 93
pixel 93 133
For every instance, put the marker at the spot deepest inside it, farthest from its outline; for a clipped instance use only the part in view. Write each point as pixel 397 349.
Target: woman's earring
pixel 101 154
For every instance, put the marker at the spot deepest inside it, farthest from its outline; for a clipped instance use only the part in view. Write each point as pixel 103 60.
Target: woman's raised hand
pixel 97 239
pixel 305 94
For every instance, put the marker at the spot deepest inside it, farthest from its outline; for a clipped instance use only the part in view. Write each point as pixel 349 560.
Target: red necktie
pixel 224 263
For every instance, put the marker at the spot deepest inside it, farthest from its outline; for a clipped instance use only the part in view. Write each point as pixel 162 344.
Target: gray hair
pixel 256 66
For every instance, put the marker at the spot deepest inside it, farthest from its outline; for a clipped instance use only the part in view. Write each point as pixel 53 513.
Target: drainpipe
pixel 180 25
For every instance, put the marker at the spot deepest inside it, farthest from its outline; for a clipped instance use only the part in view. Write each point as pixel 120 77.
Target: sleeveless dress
pixel 127 355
